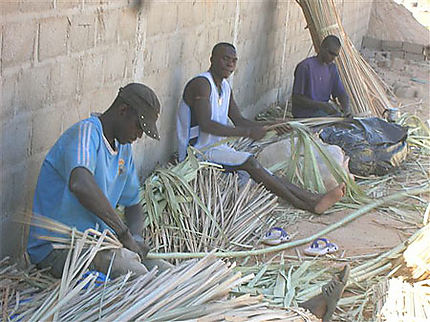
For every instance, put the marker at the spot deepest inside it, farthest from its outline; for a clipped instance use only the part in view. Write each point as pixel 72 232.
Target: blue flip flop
pixel 321 246
pixel 275 236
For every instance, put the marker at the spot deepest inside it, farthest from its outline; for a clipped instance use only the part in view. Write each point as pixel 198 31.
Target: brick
pixel 114 65
pixel 46 128
pixel 16 143
pixel 70 114
pixel 7 7
pixel 372 43
pixel 93 71
pixel 7 96
pixel 82 32
pixel 415 57
pixel 127 25
pixel 53 36
pixel 413 48
pixel 68 4
pixel 190 14
pixel 107 26
pixel 35 6
pixel 397 54
pixel 33 88
pixel 163 17
pixel 18 43
pixel 390 45
pixel 64 80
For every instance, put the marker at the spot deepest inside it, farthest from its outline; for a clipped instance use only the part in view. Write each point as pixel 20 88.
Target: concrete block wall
pixel 61 59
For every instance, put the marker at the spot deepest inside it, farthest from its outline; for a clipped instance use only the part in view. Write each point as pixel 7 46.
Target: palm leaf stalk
pixel 237 254
pixel 366 90
pixel 193 289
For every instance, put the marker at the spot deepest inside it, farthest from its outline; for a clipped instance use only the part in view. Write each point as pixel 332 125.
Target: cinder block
pixel 7 7
pixel 413 48
pixel 82 32
pixel 191 14
pixel 397 54
pixel 114 65
pixel 415 57
pixel 35 6
pixel 127 24
pixel 7 97
pixel 33 88
pixel 68 4
pixel 18 43
pixel 46 128
pixel 107 26
pixel 16 140
pixel 92 73
pixel 161 23
pixel 372 43
pixel 53 37
pixel 70 113
pixel 390 45
pixel 64 80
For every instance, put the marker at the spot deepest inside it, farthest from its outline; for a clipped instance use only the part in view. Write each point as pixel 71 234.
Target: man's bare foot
pixel 330 198
pixel 324 304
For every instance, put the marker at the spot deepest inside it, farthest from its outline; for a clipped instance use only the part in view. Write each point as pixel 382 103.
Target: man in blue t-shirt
pixel 316 81
pixel 88 172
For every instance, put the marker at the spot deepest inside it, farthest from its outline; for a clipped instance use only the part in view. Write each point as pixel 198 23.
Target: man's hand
pixel 134 243
pixel 256 132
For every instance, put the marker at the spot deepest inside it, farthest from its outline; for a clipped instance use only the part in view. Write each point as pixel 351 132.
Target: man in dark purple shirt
pixel 316 80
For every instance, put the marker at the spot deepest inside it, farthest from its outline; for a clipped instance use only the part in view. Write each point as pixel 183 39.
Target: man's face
pixel 129 129
pixel 329 52
pixel 224 61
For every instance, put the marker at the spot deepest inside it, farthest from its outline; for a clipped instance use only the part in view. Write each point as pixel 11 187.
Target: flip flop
pixel 275 236
pixel 321 246
pixel 333 290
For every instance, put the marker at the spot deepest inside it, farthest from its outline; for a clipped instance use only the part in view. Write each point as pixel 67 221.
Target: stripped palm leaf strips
pixel 193 289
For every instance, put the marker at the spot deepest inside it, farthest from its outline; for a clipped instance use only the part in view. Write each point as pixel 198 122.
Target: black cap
pixel 144 101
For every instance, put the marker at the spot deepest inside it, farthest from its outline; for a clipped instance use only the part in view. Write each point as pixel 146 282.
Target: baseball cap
pixel 144 101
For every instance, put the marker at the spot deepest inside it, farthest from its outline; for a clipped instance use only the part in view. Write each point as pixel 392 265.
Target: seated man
pixel 87 173
pixel 206 105
pixel 316 80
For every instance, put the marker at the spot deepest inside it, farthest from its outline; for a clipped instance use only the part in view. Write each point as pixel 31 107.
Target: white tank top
pixel 219 103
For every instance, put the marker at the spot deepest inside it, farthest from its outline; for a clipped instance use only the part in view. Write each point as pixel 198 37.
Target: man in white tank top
pixel 206 105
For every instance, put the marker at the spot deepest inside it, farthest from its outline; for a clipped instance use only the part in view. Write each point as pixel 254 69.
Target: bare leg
pixel 324 304
pixel 297 196
pixel 261 175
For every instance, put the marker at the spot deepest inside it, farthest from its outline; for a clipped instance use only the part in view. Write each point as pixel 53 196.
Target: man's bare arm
pixel 197 96
pixel 83 185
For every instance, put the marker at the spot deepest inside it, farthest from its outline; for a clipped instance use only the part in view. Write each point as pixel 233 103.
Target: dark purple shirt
pixel 317 81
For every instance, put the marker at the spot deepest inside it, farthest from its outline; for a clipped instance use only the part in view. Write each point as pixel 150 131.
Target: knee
pixel 252 164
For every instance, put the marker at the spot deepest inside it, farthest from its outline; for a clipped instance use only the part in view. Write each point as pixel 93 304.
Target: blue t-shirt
pixel 82 145
pixel 317 81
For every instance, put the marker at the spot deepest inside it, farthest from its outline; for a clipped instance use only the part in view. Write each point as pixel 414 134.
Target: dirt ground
pixel 373 233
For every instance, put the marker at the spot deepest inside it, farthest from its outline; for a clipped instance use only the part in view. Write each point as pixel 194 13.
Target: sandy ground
pixel 374 232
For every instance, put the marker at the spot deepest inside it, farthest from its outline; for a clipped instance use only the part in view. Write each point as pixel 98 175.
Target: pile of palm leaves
pixel 287 283
pixel 193 289
pixel 366 90
pixel 194 206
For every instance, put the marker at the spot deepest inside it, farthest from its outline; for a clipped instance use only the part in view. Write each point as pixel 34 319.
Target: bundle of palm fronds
pixel 194 289
pixel 196 207
pixel 366 90
pixel 398 300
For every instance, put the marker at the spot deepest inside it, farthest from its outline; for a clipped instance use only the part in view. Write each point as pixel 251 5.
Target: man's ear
pixel 122 109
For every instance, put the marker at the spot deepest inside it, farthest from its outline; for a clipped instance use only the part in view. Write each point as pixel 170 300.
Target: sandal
pixel 321 246
pixel 275 236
